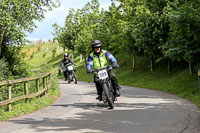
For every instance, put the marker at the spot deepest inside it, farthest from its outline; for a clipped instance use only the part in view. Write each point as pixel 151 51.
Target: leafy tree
pixel 143 27
pixel 184 37
pixel 18 16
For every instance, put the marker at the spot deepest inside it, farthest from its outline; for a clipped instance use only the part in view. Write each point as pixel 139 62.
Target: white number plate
pixel 102 74
pixel 70 68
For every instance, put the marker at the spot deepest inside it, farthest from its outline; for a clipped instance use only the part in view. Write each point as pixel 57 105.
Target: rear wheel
pixel 108 96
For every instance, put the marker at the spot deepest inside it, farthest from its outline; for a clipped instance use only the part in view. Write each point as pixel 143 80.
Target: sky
pixel 57 15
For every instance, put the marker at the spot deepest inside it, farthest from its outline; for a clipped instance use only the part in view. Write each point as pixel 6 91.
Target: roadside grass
pixel 37 64
pixel 21 107
pixel 179 82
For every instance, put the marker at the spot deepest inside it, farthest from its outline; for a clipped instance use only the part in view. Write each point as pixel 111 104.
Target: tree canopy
pixel 17 17
pixel 153 28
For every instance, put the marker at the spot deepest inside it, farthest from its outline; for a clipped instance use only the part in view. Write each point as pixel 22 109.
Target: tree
pixel 19 16
pixel 184 37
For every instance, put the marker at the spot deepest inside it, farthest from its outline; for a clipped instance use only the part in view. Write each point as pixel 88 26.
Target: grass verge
pixel 37 103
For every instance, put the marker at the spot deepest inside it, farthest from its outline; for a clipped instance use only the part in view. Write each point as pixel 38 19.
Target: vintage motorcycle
pixel 71 74
pixel 103 77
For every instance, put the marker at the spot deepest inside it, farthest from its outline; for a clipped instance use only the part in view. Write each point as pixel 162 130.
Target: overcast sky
pixel 58 16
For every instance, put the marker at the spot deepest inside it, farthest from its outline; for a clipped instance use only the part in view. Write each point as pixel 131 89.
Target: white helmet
pixel 65 54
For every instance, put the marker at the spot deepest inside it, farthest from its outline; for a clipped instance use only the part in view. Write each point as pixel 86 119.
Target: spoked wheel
pixel 69 78
pixel 109 96
pixel 69 81
pixel 74 78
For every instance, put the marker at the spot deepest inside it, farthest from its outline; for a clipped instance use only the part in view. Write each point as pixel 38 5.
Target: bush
pixel 4 72
pixel 32 55
pixel 14 60
pixel 54 52
pixel 44 55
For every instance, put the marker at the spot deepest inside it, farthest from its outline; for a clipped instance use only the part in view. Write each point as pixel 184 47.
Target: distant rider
pixel 101 58
pixel 66 61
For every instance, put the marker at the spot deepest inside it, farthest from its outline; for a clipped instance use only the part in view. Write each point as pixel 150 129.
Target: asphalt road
pixel 136 111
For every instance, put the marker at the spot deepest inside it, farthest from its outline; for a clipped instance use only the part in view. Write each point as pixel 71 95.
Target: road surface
pixel 136 111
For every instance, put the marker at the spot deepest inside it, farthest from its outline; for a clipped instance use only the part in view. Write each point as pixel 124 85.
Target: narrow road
pixel 136 111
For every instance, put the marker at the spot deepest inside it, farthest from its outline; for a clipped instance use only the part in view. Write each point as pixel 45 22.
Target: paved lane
pixel 136 111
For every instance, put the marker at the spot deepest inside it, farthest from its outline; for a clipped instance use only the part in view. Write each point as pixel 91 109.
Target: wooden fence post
pixel 9 96
pixel 37 85
pixel 26 89
pixel 199 78
pixel 8 84
pixel 44 84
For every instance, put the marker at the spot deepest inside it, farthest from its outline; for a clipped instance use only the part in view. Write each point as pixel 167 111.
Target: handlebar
pixel 102 68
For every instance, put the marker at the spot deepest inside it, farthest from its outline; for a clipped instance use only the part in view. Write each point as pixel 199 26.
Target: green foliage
pixel 183 42
pixel 54 52
pixel 44 55
pixel 42 65
pixel 154 28
pixel 4 71
pixel 16 18
pixel 19 16
pixel 16 66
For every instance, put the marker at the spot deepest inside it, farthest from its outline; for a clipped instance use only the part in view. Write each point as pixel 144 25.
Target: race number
pixel 70 68
pixel 102 74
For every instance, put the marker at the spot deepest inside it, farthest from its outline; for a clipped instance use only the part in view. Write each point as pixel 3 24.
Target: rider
pixel 66 60
pixel 100 58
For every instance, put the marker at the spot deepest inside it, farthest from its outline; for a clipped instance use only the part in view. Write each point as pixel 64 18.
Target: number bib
pixel 70 68
pixel 102 74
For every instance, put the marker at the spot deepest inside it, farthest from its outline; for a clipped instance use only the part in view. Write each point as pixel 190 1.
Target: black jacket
pixel 65 62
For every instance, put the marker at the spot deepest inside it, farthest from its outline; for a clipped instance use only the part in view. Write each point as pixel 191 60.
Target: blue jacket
pixel 109 56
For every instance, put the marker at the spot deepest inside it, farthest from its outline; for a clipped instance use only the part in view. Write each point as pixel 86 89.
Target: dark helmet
pixel 96 44
pixel 65 54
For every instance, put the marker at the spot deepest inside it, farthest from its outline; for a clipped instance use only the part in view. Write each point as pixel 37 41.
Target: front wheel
pixel 74 78
pixel 69 77
pixel 108 96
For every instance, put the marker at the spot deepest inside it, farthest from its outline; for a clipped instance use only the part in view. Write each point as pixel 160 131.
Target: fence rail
pixel 26 95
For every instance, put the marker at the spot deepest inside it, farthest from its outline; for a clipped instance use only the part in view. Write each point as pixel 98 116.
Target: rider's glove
pixel 115 65
pixel 89 71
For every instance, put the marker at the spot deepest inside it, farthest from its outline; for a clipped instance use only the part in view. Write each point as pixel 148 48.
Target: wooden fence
pixel 26 95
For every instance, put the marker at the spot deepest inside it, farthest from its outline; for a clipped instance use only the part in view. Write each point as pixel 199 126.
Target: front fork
pixel 108 84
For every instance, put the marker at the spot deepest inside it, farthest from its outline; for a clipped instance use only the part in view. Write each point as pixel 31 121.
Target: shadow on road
pixel 133 112
pixel 95 117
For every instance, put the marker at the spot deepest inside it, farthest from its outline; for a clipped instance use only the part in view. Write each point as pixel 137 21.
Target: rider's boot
pixel 117 93
pixel 99 98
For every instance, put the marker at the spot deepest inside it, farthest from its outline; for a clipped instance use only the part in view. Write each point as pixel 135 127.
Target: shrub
pixel 54 52
pixel 44 55
pixel 4 72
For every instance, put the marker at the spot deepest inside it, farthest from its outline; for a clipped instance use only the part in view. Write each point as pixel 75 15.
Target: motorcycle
pixel 103 77
pixel 71 74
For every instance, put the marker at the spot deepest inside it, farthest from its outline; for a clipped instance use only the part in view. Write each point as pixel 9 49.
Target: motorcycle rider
pixel 66 60
pixel 100 58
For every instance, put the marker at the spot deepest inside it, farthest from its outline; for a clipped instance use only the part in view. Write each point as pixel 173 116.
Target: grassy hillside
pixel 39 59
pixel 43 56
